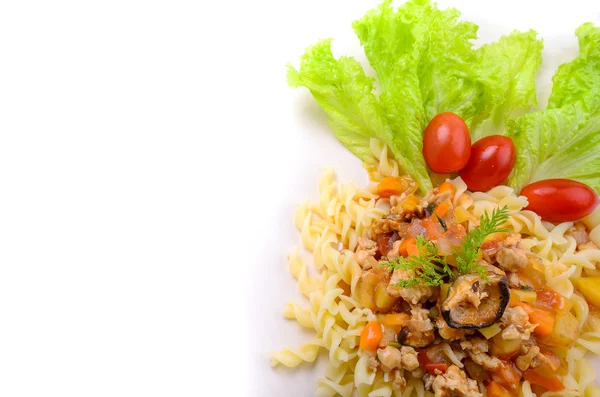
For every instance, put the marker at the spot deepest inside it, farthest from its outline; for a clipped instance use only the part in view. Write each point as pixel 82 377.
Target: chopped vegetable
pixel 461 214
pixel 523 296
pixel 442 209
pixel 507 376
pixel 371 336
pixel 432 368
pixel 396 319
pixel 565 331
pixel 446 187
pixel 590 288
pixel 491 331
pixel 551 382
pixel 408 244
pixel 505 349
pixel 543 318
pixel 410 203
pixel 494 389
pixel 391 186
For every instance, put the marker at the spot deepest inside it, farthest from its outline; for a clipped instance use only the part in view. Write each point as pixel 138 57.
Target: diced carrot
pixel 431 368
pixel 371 336
pixel 408 244
pixel 395 319
pixel 543 318
pixel 442 209
pixel 410 203
pixel 446 187
pixel 391 186
pixel 507 375
pixel 551 382
pixel 433 228
pixel 494 389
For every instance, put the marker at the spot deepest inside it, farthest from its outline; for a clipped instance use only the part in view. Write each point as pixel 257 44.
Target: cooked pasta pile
pixel 330 229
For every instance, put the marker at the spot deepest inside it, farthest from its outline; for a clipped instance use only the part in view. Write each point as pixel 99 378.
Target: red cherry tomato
pixel 560 200
pixel 492 160
pixel 446 143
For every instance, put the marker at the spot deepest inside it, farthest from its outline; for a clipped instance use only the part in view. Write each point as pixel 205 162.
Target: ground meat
pixel 365 255
pixel 417 294
pixel 372 364
pixel 579 233
pixel 490 248
pixel 513 280
pixel 477 349
pixel 410 359
pixel 420 319
pixel 389 224
pixel 511 333
pixel 532 359
pixel 518 317
pixel 511 259
pixel 454 383
pixel 395 251
pixel 398 381
pixel 390 358
pixel 389 335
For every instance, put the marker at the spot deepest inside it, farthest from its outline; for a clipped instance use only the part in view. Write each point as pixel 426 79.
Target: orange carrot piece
pixel 446 187
pixel 391 186
pixel 543 318
pixel 442 209
pixel 371 336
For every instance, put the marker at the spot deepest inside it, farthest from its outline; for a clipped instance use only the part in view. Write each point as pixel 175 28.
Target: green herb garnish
pixel 431 269
pixel 526 287
pixel 428 268
pixel 395 344
pixel 468 255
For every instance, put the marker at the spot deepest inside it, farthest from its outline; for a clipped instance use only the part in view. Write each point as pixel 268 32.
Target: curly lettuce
pixel 563 141
pixel 425 63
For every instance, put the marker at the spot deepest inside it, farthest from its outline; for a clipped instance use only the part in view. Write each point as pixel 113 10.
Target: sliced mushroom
pixel 473 303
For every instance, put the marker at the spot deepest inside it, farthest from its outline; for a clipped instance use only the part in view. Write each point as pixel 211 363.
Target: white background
pixel 151 157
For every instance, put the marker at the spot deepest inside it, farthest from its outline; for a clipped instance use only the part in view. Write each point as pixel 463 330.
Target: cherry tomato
pixel 446 143
pixel 560 200
pixel 492 159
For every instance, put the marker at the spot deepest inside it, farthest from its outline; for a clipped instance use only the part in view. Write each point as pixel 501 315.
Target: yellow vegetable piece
pixel 444 288
pixel 524 296
pixel 461 214
pixel 491 331
pixel 590 288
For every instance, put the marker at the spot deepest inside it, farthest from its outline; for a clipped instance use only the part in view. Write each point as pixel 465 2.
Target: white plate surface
pixel 299 144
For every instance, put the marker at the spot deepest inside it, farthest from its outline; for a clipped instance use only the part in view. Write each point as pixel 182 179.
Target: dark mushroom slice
pixel 472 303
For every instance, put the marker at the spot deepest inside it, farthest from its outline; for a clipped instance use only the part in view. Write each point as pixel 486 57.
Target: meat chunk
pixel 477 349
pixel 579 233
pixel 517 317
pixel 454 383
pixel 390 358
pixel 511 333
pixel 532 359
pixel 410 360
pixel 511 259
pixel 398 381
pixel 513 280
pixel 365 255
pixel 372 364
pixel 415 295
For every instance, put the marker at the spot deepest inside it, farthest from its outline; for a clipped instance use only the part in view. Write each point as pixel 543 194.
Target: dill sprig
pixel 428 268
pixel 467 256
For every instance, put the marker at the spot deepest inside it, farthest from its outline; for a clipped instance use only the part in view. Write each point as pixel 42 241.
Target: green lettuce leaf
pixel 425 65
pixel 346 94
pixel 579 80
pixel 563 141
pixel 507 69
